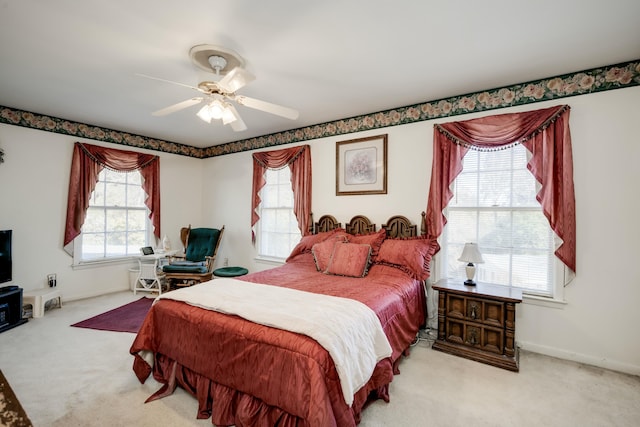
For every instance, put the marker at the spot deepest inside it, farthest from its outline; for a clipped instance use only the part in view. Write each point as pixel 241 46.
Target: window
pixel 494 204
pixel 117 222
pixel 278 227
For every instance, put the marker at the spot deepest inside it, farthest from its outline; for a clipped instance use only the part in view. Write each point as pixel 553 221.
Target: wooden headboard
pixel 360 224
pixel 396 226
pixel 325 223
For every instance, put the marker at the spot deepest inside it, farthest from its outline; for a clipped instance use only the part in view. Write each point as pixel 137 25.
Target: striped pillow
pixel 350 259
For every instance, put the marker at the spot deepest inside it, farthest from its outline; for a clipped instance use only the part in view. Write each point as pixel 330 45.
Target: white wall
pixel 598 324
pixel 34 181
pixel 229 181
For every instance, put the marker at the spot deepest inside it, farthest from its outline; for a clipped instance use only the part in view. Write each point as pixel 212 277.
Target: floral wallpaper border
pixel 580 83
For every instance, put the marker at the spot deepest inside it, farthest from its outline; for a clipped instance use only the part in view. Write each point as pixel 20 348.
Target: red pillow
pixel 307 242
pixel 322 251
pixel 374 239
pixel 350 259
pixel 412 255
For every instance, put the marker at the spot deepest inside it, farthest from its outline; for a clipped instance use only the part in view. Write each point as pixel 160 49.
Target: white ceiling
pixel 333 59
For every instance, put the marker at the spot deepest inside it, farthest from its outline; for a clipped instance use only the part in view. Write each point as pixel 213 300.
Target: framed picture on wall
pixel 361 166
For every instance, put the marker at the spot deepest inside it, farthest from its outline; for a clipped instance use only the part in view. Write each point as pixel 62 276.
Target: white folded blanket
pixel 349 330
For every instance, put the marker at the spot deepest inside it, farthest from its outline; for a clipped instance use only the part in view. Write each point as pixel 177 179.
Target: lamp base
pixel 471 273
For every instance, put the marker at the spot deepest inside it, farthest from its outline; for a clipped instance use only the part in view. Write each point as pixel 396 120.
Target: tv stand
pixel 10 307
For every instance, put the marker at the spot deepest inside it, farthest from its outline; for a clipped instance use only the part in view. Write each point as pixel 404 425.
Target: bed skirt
pixel 229 407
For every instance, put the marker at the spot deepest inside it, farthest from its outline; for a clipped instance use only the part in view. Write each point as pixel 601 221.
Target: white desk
pixel 150 276
pixel 159 254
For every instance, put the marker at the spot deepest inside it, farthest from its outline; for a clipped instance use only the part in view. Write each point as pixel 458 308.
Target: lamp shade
pixel 470 253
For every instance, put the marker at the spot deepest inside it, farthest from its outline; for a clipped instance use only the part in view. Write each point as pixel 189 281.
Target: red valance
pixel 87 162
pixel 545 133
pixel 299 161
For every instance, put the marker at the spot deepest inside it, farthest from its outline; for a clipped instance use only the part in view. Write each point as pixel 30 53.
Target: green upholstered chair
pixel 196 265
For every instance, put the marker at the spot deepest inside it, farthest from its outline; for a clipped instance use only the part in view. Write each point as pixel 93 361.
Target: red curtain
pixel 87 162
pixel 545 133
pixel 299 161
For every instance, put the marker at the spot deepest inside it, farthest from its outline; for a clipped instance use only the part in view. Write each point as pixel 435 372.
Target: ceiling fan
pixel 218 96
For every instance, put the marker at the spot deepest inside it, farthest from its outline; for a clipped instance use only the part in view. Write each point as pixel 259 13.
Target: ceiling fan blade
pixel 237 124
pixel 268 107
pixel 169 81
pixel 235 79
pixel 176 107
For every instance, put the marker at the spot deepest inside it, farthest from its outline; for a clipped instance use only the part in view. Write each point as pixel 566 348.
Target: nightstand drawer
pixel 475 335
pixel 475 309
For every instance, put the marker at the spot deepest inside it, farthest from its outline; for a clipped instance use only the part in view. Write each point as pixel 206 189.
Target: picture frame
pixel 361 166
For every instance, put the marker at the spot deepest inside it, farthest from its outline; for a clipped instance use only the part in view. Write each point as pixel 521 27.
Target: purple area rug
pixel 127 318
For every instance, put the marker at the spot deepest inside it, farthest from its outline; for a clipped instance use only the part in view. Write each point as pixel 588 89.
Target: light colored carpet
pixel 67 376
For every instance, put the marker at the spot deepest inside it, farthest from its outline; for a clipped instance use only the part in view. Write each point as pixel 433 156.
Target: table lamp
pixel 471 255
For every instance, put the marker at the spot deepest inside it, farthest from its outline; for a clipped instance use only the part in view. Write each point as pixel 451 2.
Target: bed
pixel 247 374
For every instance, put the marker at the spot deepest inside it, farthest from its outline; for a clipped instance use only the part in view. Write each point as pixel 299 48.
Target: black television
pixel 5 256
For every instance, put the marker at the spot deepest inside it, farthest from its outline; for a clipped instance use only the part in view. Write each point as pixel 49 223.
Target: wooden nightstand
pixel 478 322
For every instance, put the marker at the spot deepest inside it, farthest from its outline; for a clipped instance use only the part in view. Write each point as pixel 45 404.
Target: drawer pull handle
pixel 473 338
pixel 474 313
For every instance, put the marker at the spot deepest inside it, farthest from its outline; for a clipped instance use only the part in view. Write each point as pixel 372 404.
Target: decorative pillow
pixel 374 239
pixel 411 255
pixel 322 251
pixel 307 242
pixel 350 259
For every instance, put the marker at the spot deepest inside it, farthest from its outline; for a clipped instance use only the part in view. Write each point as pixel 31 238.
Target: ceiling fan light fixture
pixel 228 116
pixel 204 113
pixel 217 110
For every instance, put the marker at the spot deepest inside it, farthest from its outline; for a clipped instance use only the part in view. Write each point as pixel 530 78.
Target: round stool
pixel 230 271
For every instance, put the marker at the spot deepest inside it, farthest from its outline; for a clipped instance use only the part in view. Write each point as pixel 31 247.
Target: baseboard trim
pixel 613 365
pixel 78 297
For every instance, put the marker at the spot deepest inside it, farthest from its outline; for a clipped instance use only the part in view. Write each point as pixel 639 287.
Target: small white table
pixel 150 277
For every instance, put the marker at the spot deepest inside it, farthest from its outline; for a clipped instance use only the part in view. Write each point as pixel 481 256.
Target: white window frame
pixel 560 274
pixel 270 174
pixel 79 261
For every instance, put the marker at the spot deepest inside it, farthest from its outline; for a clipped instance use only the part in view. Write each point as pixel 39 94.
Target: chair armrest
pixel 176 257
pixel 209 260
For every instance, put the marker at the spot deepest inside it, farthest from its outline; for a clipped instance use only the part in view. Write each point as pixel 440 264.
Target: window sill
pixel 543 301
pixel 269 260
pixel 103 263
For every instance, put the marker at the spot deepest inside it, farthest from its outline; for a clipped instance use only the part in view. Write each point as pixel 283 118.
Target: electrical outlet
pixel 226 262
pixel 52 280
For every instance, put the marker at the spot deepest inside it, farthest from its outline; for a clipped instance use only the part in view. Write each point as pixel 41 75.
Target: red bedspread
pixel 248 374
